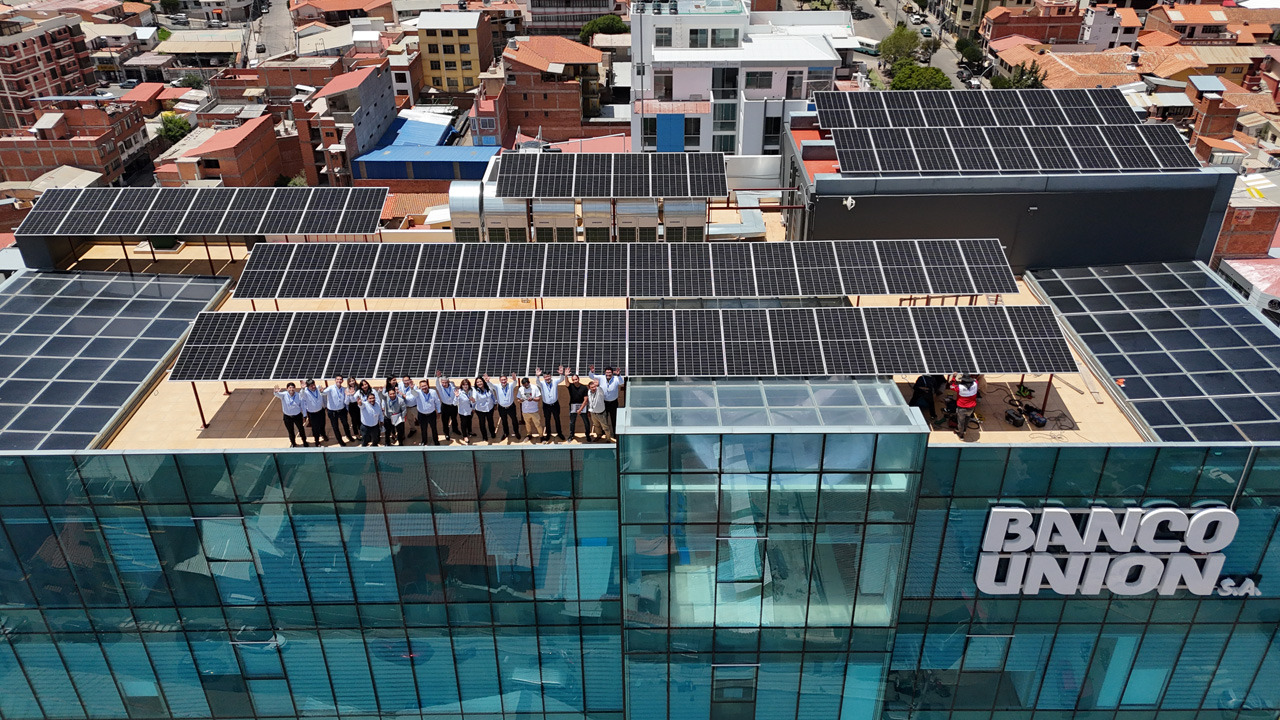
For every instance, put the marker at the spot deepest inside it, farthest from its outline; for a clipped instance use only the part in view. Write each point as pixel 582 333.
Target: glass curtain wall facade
pixel 779 576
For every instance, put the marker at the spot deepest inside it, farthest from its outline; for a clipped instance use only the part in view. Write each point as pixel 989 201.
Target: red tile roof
pixel 345 81
pixel 144 92
pixel 325 6
pixel 540 51
pixel 172 93
pixel 1157 38
pixel 1128 17
pixel 404 204
pixel 1193 14
pixel 228 139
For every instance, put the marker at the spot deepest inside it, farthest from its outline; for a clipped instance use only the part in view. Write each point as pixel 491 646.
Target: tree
pixel 899 44
pixel 1026 77
pixel 972 55
pixel 606 24
pixel 173 127
pixel 907 75
pixel 930 46
pixel 171 6
pixel 963 42
pixel 299 180
pixel 191 80
pixel 164 34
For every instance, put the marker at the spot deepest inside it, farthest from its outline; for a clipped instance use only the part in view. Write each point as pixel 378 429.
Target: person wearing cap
pixel 549 388
pixel 966 390
pixel 505 393
pixel 291 406
pixel 335 406
pixel 530 399
pixel 313 409
pixel 611 382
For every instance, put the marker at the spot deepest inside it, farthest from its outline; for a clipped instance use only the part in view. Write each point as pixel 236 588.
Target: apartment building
pixel 343 120
pixel 1107 26
pixel 275 82
pixel 339 12
pixel 714 77
pixel 245 156
pixel 546 86
pixel 455 48
pixel 41 58
pixel 506 17
pixel 92 134
pixel 566 17
pixel 1047 21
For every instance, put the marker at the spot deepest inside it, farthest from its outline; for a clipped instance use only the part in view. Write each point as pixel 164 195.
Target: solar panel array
pixel 1195 362
pixel 647 343
pixel 607 175
pixel 967 108
pixel 206 211
pixel 523 270
pixel 1034 149
pixel 74 347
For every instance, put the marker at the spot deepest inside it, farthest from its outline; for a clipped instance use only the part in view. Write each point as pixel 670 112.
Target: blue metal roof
pixel 438 153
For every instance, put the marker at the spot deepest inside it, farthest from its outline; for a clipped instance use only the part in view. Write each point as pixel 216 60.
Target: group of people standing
pixel 401 408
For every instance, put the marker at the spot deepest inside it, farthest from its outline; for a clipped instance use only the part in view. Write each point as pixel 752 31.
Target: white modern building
pixel 712 76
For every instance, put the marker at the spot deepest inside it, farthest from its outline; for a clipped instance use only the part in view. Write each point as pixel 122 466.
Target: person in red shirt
pixel 966 390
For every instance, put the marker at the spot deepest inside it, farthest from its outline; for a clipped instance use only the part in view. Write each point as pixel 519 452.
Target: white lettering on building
pixel 1126 551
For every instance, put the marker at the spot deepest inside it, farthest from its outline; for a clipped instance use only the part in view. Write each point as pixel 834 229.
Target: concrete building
pixel 105 136
pixel 343 120
pixel 545 86
pixel 566 17
pixel 455 48
pixel 224 10
pixel 506 17
pixel 1047 21
pixel 113 44
pixel 339 12
pixel 245 156
pixel 275 82
pixel 204 52
pixel 44 58
pixel 715 77
pixel 415 156
pixel 1107 26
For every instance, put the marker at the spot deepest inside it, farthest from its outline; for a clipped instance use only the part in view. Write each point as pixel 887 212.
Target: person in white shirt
pixel 291 405
pixel 505 393
pixel 530 400
pixel 466 407
pixel 313 408
pixel 428 410
pixel 448 395
pixel 485 400
pixel 601 429
pixel 549 388
pixel 611 382
pixel 370 417
pixel 393 412
pixel 409 391
pixel 335 405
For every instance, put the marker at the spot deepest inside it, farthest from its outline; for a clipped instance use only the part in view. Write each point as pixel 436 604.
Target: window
pixel 649 131
pixel 725 117
pixel 464 49
pixel 692 133
pixel 724 38
pixel 511 79
pixel 772 133
pixel 433 49
pixel 453 83
pixel 821 79
pixel 430 33
pixel 795 84
pixel 488 124
pixel 464 33
pixel 722 143
pixel 446 33
pixel 468 82
pixel 1220 71
pixel 448 49
pixel 450 65
pixel 436 81
pixel 662 84
pixel 402 77
pixel 662 37
pixel 759 80
pixel 466 64
pixel 210 163
pixel 466 234
pixel 435 64
pixel 698 38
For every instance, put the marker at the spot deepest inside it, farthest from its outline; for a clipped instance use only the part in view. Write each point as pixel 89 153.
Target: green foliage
pixel 170 6
pixel 299 180
pixel 173 127
pixel 607 24
pixel 930 46
pixel 962 43
pixel 922 4
pixel 899 44
pixel 164 34
pixel 907 75
pixel 972 54
pixel 1026 77
pixel 1000 82
pixel 191 80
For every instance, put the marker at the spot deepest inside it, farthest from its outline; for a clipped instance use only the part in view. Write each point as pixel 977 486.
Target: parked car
pixel 917 19
pixel 179 19
pixel 262 49
pixel 215 24
pixel 926 31
pixel 129 84
pixel 963 74
pixel 973 83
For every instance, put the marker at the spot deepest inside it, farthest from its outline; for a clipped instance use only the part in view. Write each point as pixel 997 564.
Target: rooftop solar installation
pixel 647 343
pixel 969 108
pixel 520 270
pixel 75 346
pixel 206 211
pixel 1194 361
pixel 611 175
pixel 969 150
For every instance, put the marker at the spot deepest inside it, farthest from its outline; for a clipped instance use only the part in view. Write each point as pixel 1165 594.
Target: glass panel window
pixel 698 38
pixel 662 37
pixel 692 133
pixel 724 37
pixel 761 80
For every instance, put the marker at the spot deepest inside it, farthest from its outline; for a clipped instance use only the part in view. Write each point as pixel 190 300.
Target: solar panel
pixel 631 175
pixel 554 178
pixel 594 175
pixel 516 174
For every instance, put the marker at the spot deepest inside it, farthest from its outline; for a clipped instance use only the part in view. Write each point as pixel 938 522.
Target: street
pixel 882 22
pixel 274 29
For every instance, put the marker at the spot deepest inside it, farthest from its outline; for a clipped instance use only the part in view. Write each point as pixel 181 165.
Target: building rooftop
pixel 550 53
pixel 450 20
pixel 1193 14
pixel 344 82
pixel 762 48
pixel 697 7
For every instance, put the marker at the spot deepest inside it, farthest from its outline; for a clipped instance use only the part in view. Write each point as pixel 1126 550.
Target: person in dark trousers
pixel 505 394
pixel 923 392
pixel 393 412
pixel 966 389
pixel 353 406
pixel 370 418
pixel 335 405
pixel 577 394
pixel 313 407
pixel 549 388
pixel 448 395
pixel 428 410
pixel 485 400
pixel 466 409
pixel 610 383
pixel 291 406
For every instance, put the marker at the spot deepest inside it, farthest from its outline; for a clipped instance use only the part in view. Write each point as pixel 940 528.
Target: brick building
pixel 1047 21
pixel 339 12
pixel 42 58
pixel 99 135
pixel 275 82
pixel 545 84
pixel 246 156
pixel 343 120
